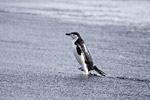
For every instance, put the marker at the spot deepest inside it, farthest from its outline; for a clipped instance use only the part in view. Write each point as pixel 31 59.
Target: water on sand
pixel 33 67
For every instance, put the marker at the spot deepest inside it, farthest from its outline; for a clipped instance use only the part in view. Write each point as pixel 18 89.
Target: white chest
pixel 80 58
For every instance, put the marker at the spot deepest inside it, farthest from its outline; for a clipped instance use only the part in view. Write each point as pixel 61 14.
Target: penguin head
pixel 73 35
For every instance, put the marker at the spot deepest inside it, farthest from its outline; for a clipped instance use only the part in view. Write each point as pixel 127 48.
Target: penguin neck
pixel 74 40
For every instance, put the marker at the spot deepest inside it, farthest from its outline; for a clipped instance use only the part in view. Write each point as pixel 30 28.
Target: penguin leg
pixel 85 69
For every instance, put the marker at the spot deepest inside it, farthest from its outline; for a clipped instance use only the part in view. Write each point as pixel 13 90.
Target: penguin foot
pixel 81 69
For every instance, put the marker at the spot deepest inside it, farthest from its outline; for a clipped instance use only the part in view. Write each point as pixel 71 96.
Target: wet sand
pixel 36 61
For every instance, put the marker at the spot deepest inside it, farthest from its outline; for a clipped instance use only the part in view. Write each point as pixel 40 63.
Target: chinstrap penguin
pixel 82 54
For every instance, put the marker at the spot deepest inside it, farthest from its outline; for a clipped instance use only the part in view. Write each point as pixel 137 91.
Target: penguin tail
pixel 99 71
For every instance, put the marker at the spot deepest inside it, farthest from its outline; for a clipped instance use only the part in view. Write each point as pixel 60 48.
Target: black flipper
pixel 78 50
pixel 99 71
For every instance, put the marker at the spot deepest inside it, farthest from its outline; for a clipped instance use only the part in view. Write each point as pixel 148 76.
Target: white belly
pixel 80 59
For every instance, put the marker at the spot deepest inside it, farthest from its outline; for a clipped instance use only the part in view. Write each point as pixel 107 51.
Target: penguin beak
pixel 68 34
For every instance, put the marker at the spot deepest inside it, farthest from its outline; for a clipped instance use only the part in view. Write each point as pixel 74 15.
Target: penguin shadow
pixel 86 78
pixel 129 79
pixel 90 75
pixel 107 77
pixel 93 75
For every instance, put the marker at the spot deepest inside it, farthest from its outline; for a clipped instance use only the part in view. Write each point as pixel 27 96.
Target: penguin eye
pixel 73 36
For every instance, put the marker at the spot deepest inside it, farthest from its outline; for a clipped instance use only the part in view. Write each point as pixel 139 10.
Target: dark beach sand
pixel 36 61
